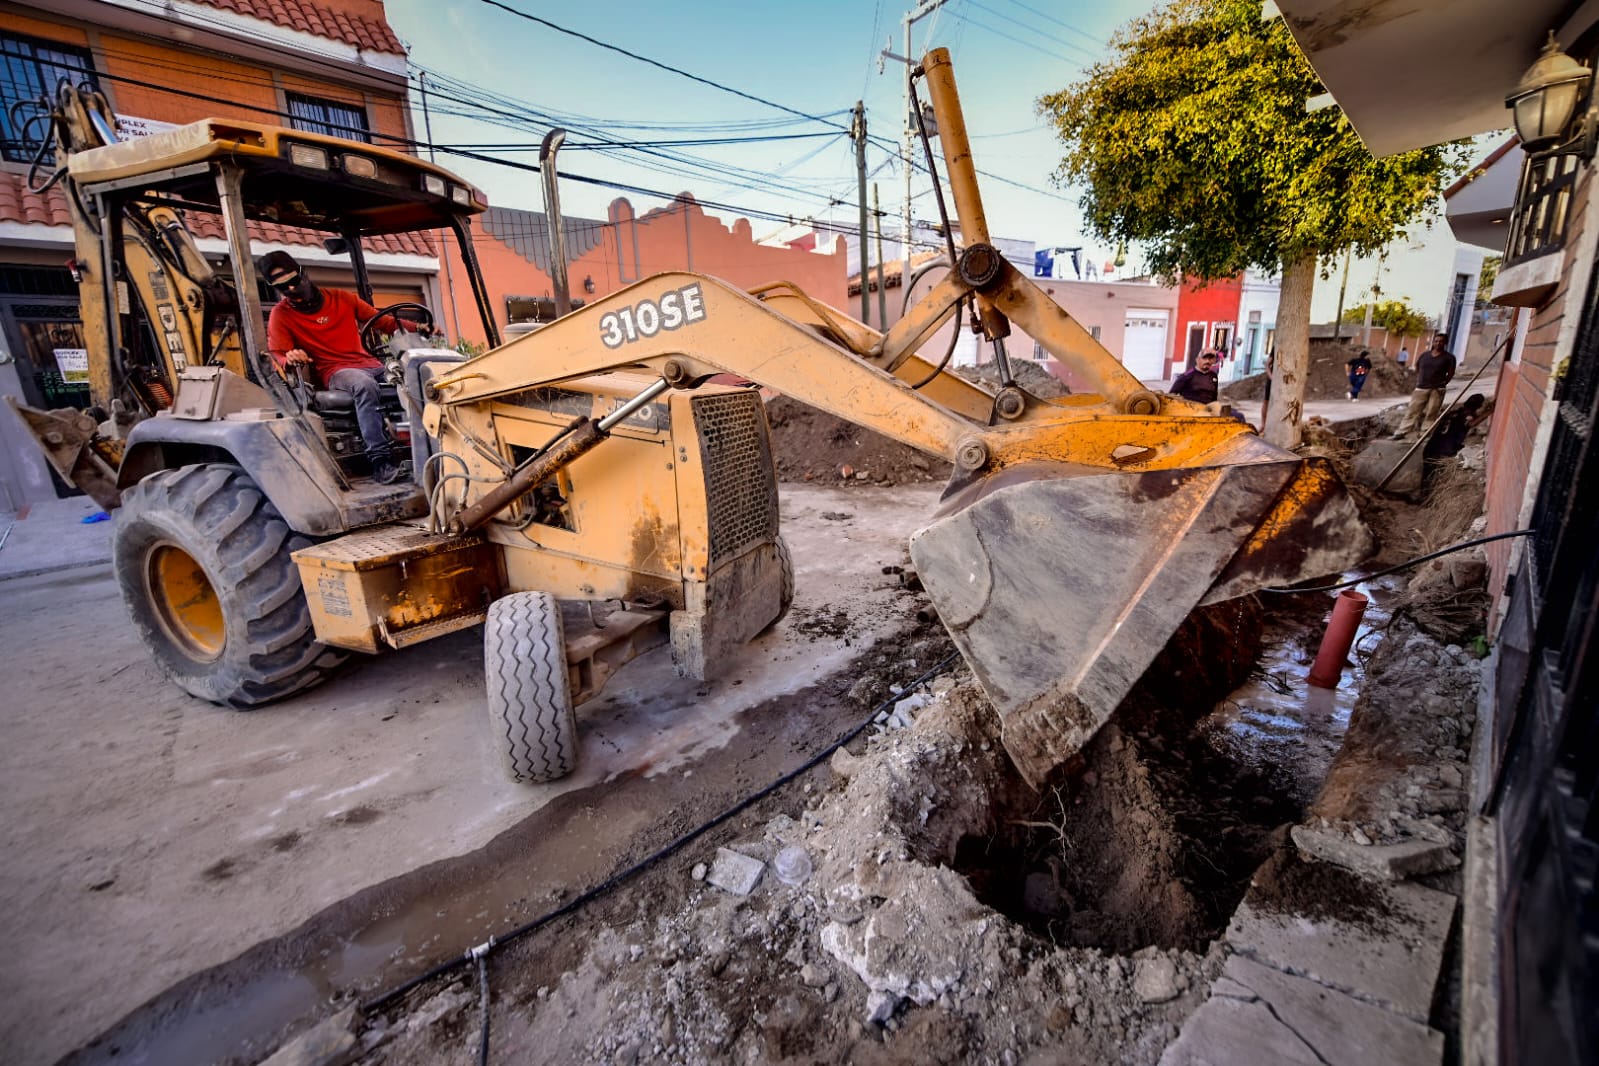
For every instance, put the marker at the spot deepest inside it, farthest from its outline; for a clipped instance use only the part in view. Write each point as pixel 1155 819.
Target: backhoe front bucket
pixel 1060 583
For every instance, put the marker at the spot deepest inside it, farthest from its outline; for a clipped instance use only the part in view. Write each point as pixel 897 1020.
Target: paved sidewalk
pixel 52 535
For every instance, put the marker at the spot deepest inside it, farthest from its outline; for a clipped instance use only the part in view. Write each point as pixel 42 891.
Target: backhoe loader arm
pixel 689 327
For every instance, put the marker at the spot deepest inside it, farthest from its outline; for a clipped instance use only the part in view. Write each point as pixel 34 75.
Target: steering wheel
pixel 420 315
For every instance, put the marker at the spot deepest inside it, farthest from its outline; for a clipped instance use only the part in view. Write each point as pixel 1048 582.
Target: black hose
pixel 1411 562
pixel 616 879
pixel 906 285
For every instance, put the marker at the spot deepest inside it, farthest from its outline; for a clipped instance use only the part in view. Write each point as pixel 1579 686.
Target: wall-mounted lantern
pixel 1545 100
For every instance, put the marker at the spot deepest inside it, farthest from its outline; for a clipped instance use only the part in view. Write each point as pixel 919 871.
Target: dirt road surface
pixel 151 836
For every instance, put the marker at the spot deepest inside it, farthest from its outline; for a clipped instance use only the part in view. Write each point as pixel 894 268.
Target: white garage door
pixel 1144 344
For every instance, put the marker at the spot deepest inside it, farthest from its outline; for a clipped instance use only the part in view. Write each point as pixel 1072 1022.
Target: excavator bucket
pixel 1060 583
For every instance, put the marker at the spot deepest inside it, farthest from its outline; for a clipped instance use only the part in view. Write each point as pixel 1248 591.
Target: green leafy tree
pixel 1194 139
pixel 1395 316
pixel 1485 281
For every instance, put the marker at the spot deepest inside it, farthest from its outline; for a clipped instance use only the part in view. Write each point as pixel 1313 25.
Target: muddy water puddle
pixel 1279 725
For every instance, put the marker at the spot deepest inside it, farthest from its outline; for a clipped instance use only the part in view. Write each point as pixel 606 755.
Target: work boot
pixel 385 471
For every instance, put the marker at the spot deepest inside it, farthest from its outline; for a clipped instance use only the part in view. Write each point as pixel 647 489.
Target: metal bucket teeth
pixel 1060 585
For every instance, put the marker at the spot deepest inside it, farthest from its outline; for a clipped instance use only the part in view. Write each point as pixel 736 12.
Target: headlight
pixel 434 185
pixel 359 166
pixel 460 196
pixel 304 155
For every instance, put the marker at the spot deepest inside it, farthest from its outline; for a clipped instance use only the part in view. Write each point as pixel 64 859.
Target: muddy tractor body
pixel 595 489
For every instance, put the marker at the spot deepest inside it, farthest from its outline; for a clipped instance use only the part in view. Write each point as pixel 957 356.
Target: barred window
pixel 315 115
pixel 30 70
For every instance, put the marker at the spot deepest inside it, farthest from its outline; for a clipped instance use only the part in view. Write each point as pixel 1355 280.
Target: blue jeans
pixel 1356 383
pixel 362 384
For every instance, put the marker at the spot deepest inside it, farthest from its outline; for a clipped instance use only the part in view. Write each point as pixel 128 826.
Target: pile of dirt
pixel 1329 379
pixel 1028 374
pixel 811 445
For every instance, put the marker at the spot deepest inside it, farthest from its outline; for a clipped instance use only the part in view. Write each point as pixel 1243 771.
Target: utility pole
pixel 908 152
pixel 882 291
pixel 444 250
pixel 857 130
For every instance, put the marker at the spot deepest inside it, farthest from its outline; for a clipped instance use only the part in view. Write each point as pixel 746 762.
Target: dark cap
pixel 277 267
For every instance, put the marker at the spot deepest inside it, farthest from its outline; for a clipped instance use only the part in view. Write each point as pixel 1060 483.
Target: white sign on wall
pixel 73 363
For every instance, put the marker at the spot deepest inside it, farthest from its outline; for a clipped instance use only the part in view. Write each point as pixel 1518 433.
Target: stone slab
pixel 1256 1014
pixel 1380 456
pixel 1392 960
pixel 735 873
pixel 1386 862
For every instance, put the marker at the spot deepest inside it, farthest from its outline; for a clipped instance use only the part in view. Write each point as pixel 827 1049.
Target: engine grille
pixel 740 484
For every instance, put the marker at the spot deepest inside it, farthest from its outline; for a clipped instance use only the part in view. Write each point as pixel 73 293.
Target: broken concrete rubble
pixel 735 873
pixel 1388 862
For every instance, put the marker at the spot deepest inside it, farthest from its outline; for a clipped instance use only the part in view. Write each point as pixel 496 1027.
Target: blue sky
pixel 816 57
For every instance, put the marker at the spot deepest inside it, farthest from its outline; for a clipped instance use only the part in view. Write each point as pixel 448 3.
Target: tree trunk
pixel 1292 366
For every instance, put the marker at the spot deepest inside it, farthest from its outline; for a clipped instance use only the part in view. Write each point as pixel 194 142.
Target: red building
pixel 1207 320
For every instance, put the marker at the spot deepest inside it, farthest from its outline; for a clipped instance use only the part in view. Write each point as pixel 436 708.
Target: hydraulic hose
pixel 1406 565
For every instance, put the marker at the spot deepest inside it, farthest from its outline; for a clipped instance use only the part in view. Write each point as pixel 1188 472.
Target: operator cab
pixel 173 313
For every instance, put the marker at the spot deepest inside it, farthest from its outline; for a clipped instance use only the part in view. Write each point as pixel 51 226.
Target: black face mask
pixel 301 293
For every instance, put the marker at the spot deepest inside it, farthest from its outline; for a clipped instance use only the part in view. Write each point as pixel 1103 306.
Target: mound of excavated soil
pixel 1328 378
pixel 811 445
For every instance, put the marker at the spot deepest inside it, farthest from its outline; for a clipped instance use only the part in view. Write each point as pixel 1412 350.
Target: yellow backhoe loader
pixel 598 461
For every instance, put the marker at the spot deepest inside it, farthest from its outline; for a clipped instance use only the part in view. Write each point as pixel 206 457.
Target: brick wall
pixel 1517 439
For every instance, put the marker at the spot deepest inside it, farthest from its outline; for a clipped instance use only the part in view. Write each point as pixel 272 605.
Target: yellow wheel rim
pixel 184 602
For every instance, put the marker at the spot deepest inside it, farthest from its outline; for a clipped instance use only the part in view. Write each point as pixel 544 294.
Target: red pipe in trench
pixel 1334 651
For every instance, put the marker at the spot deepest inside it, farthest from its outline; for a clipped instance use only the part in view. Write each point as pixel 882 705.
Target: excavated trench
pixel 1152 838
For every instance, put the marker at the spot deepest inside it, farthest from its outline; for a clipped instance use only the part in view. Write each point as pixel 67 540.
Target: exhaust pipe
pixel 552 218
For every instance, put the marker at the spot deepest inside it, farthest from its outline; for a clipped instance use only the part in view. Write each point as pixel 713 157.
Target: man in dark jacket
pixel 1198 384
pixel 1358 368
pixel 1434 370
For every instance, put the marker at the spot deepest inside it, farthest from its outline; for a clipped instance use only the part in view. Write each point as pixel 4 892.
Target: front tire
pixel 202 558
pixel 530 700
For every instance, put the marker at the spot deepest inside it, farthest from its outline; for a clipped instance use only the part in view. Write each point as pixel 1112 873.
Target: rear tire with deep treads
pixel 530 700
pixel 202 558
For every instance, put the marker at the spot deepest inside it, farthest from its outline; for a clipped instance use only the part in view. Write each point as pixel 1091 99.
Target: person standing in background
pixel 1198 384
pixel 1434 370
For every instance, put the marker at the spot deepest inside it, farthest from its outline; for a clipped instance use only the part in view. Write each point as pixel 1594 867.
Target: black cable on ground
pixel 1410 562
pixel 482 950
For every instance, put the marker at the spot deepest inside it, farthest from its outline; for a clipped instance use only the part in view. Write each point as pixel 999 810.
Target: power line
pixel 1065 25
pixel 1031 29
pixel 658 64
pixel 1014 39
